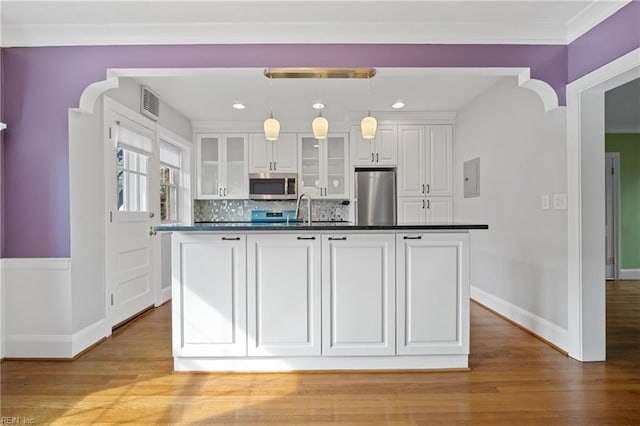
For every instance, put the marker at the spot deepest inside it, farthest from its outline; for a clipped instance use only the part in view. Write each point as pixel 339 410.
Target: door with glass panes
pixel 222 166
pixel 323 166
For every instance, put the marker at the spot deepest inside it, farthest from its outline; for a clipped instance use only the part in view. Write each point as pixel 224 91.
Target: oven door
pixel 272 186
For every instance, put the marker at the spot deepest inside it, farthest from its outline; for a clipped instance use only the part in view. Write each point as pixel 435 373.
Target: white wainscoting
pixel 538 325
pixel 630 274
pixel 37 310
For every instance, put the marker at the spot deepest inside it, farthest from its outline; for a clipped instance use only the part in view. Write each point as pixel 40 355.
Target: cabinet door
pixel 285 153
pixel 209 292
pixel 209 149
pixel 283 295
pixel 358 295
pixel 439 210
pixel 260 154
pixel 336 185
pixel 411 162
pixel 362 150
pixel 433 294
pixel 411 210
pixel 310 166
pixel 440 155
pixel 236 174
pixel 386 145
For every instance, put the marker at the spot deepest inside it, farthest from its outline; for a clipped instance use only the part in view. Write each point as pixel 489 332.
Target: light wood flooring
pixel 515 379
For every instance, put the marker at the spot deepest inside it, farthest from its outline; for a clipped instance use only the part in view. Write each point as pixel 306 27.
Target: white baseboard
pixel 630 274
pixel 165 296
pixel 88 336
pixel 37 346
pixel 537 325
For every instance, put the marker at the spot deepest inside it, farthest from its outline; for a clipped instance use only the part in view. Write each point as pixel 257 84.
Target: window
pixel 133 182
pixel 170 160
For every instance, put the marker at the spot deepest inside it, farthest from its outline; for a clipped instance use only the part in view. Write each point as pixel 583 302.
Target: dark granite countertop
pixel 315 226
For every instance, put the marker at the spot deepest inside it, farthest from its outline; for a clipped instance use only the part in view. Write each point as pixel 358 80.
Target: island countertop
pixel 315 226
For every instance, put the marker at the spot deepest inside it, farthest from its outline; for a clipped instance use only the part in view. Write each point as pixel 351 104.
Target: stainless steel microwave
pixel 273 186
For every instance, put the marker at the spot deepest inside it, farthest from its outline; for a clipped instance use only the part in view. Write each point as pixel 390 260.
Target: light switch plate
pixel 560 201
pixel 544 201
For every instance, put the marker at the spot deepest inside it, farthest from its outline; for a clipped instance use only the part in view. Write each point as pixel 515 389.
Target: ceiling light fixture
pixel 238 105
pixel 369 124
pixel 397 105
pixel 271 125
pixel 320 72
pixel 320 127
pixel 318 105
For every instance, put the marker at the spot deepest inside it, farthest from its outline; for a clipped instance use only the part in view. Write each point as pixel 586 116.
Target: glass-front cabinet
pixel 323 166
pixel 222 166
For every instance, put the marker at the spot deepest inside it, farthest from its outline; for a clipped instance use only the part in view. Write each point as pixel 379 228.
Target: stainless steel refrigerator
pixel 375 196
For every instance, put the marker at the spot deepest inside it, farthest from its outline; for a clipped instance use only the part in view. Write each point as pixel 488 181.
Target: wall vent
pixel 150 103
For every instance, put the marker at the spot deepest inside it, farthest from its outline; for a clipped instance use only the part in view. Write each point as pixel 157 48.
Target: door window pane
pixel 132 184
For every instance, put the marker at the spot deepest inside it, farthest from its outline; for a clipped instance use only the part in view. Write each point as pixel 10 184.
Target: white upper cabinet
pixel 425 166
pixel 380 151
pixel 222 166
pixel 323 166
pixel 273 156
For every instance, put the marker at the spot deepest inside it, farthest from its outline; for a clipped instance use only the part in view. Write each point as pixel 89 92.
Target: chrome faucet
pixel 308 207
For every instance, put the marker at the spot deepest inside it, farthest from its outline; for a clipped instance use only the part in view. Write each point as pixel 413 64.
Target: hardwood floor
pixel 515 379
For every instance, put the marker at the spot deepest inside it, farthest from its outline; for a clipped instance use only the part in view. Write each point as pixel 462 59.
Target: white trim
pixel 2 126
pixel 2 310
pixel 630 274
pixel 606 77
pixel 532 322
pixel 88 336
pixel 38 346
pixel 36 264
pixel 615 199
pixel 591 16
pixel 614 130
pixel 272 364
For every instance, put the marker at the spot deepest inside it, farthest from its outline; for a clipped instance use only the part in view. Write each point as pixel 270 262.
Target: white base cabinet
pixel 283 298
pixel 433 294
pixel 358 294
pixel 209 295
pixel 416 210
pixel 296 300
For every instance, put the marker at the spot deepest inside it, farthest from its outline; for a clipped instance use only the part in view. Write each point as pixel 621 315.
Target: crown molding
pixel 591 16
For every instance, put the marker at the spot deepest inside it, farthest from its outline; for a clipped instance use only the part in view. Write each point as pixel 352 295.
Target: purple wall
pixel 612 38
pixel 43 83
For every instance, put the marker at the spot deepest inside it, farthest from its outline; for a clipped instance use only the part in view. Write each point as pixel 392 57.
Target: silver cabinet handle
pixel 270 166
pixel 428 204
pixel 423 204
pixel 225 192
pixel 337 238
pixel 219 192
pixel 274 166
pixel 423 188
pixel 417 237
pixel 377 158
pixel 428 189
pixel 230 238
pixel 306 238
pixel 372 158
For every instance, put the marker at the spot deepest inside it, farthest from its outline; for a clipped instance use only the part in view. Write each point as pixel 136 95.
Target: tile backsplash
pixel 240 210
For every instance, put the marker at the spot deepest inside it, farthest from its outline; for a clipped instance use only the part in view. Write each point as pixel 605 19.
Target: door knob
pixel 152 232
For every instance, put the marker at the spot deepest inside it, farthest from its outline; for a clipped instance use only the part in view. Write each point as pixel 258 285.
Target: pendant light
pixel 320 125
pixel 271 125
pixel 369 124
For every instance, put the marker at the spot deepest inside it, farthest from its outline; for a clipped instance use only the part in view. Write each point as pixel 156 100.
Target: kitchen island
pixel 326 296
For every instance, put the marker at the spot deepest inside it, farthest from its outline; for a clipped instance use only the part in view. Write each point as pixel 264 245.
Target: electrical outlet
pixel 560 201
pixel 544 201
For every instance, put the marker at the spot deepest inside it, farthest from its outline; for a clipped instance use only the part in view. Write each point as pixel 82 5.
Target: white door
pixel 260 153
pixel 209 286
pixel 439 172
pixel 311 166
pixel 411 210
pixel 285 153
pixel 234 180
pixel 130 181
pixel 386 146
pixel 335 153
pixel 433 294
pixel 611 214
pixel 439 210
pixel 358 294
pixel 411 162
pixel 283 295
pixel 361 149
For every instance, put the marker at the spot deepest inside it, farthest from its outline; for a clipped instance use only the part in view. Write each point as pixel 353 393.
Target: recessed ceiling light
pixel 238 105
pixel 397 105
pixel 318 105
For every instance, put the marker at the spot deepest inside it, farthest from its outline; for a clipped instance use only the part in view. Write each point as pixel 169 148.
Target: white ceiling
pixel 90 22
pixel 622 108
pixel 209 96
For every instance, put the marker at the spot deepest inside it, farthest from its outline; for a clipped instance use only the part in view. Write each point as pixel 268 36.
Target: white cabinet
pixel 417 210
pixel 323 167
pixel 209 289
pixel 222 166
pixel 283 298
pixel 273 156
pixel 425 174
pixel 433 294
pixel 358 294
pixel 425 165
pixel 380 151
